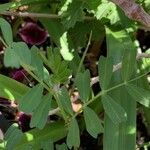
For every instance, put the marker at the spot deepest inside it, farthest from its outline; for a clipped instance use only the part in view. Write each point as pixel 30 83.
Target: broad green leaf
pixel 83 84
pixel 73 14
pixel 116 113
pixel 36 63
pixel 105 69
pixel 17 55
pixel 65 101
pixel 11 89
pixel 128 63
pixel 53 131
pixel 124 135
pixel 31 100
pixel 139 94
pixel 47 145
pixel 92 121
pixel 6 6
pixel 10 59
pixel 6 31
pixel 22 52
pixel 73 137
pixel 61 147
pixel 40 114
pixel 13 137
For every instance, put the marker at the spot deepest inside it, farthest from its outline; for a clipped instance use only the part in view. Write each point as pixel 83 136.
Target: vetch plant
pixel 78 31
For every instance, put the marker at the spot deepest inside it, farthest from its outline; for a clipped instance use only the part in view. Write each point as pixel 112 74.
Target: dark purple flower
pixel 32 34
pixel 18 75
pixel 24 121
pixel 4 101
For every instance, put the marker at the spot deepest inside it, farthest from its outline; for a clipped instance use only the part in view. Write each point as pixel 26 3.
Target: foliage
pixel 58 71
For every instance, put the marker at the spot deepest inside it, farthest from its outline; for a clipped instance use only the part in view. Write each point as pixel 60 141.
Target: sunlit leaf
pixel 53 131
pixel 73 14
pixel 11 89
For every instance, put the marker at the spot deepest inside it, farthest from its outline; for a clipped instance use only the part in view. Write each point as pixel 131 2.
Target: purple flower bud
pixel 32 34
pixel 24 121
pixel 4 101
pixel 18 75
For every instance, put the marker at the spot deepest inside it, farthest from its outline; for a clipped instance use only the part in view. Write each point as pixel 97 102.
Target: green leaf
pixel 36 63
pixel 30 101
pixel 47 145
pixel 17 55
pixel 6 6
pixel 105 69
pixel 10 59
pixel 73 137
pixel 61 147
pixel 13 136
pixel 53 131
pixel 92 5
pixel 6 31
pixel 73 14
pixel 59 67
pixel 116 37
pixel 65 101
pixel 139 94
pixel 40 114
pixel 129 63
pixel 74 64
pixel 60 37
pixel 83 84
pixel 11 89
pixel 81 29
pixel 116 113
pixel 92 121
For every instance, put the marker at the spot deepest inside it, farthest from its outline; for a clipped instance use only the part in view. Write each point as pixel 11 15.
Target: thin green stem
pixel 3 42
pixel 84 54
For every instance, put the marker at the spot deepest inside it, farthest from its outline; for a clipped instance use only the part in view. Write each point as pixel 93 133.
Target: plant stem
pixel 36 15
pixel 3 42
pixel 84 54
